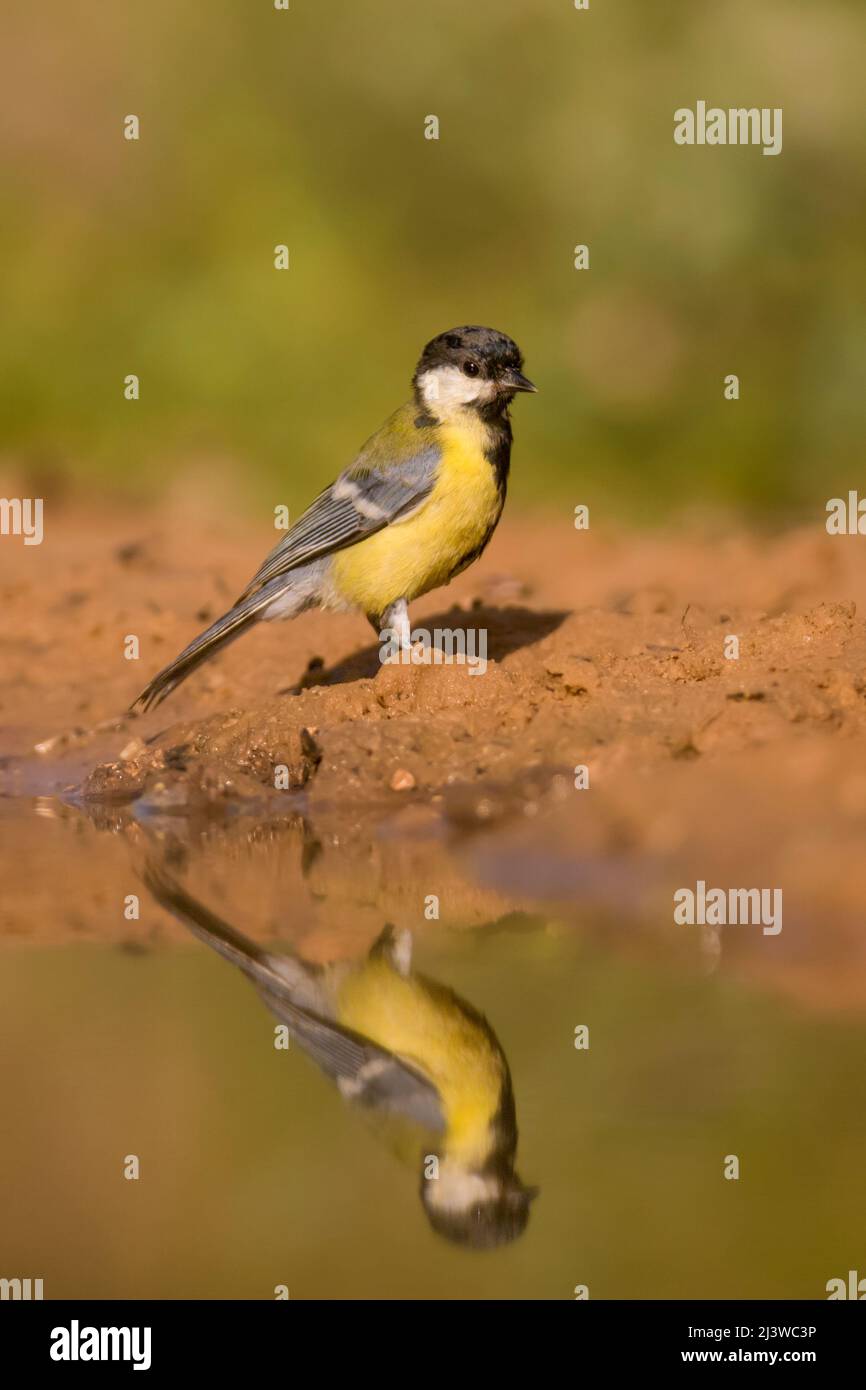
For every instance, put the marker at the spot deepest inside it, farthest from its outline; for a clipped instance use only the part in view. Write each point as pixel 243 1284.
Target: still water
pixel 131 1037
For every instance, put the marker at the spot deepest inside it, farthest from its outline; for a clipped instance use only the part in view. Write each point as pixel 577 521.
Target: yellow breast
pixel 425 1024
pixel 426 548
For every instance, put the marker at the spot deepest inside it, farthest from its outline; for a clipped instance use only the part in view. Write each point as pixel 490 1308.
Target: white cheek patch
pixel 446 389
pixel 458 1189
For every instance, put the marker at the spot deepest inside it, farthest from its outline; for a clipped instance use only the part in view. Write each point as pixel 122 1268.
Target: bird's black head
pixel 469 368
pixel 484 1204
pixel 480 1221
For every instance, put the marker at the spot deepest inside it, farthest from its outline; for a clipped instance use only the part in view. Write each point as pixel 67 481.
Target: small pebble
pixel 402 781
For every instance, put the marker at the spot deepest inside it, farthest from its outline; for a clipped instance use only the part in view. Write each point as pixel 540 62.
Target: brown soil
pixel 607 651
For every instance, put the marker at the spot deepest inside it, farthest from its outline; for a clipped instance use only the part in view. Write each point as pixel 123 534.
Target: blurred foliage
pixel 306 127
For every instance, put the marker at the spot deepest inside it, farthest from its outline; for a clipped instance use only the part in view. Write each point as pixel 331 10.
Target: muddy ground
pixel 604 650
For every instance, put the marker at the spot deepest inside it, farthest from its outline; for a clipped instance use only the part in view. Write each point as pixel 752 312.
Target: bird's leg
pixel 396 619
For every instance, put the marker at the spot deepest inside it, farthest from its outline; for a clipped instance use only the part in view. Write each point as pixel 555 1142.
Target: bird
pixel 417 506
pixel 422 1063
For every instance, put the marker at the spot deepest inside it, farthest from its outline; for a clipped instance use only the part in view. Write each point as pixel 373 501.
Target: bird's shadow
pixel 508 630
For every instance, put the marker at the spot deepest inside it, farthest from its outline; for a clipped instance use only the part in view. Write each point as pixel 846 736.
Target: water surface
pixel 129 1037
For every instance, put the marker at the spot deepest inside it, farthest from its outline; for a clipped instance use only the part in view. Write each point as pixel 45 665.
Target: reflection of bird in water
pixel 402 1047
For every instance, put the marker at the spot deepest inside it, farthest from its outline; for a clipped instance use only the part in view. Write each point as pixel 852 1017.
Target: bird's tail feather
pixel 334 1048
pixel 226 629
pixel 203 923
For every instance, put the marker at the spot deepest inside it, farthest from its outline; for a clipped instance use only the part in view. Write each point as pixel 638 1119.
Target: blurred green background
pixel 306 127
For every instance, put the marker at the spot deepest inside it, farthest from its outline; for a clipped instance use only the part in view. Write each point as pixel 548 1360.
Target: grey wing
pixel 366 1075
pixel 364 499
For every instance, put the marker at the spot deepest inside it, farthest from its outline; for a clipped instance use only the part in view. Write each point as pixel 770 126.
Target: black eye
pixel 470 368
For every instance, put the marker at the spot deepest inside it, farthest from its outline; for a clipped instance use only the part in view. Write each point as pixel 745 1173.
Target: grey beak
pixel 513 380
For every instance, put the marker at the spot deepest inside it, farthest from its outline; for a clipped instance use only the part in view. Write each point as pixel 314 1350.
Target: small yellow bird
pixel 405 1049
pixel 419 504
